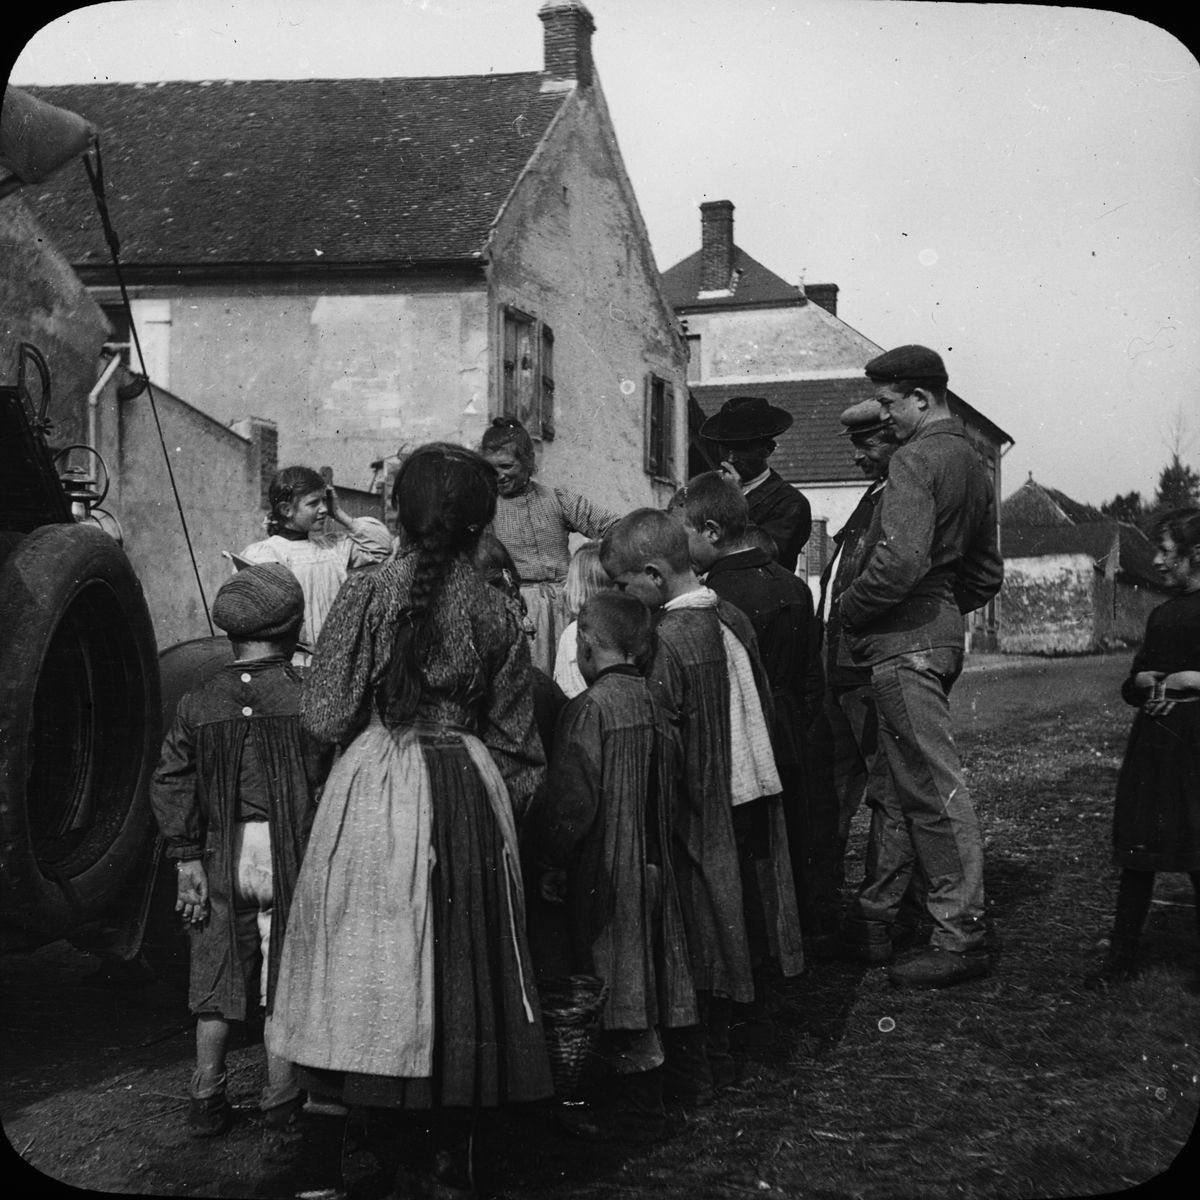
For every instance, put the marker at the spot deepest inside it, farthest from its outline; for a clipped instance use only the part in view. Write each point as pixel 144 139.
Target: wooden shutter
pixel 546 406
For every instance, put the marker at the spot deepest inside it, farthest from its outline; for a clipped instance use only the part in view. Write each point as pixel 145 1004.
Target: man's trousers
pixel 923 818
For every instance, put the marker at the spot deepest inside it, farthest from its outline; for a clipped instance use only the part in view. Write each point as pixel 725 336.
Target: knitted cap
pixel 260 602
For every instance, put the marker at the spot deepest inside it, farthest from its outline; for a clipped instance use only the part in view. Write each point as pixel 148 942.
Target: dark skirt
pixel 486 1052
pixel 1156 825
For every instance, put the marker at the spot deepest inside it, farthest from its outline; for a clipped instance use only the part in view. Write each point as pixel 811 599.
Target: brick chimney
pixel 823 294
pixel 716 245
pixel 568 41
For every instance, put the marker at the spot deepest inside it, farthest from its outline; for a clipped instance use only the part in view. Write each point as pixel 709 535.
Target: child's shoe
pixel 284 1132
pixel 209 1117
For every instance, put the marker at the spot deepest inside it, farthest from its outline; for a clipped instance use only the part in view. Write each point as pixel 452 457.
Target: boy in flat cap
pixel 745 431
pixel 930 555
pixel 234 797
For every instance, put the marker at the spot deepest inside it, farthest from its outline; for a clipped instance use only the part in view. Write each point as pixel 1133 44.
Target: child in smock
pixel 1156 824
pixel 300 499
pixel 234 797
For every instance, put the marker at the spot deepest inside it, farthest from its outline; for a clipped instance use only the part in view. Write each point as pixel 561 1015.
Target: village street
pixel 1020 1084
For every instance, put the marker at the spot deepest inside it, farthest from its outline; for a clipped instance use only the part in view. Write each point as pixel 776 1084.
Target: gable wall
pixel 571 251
pixel 348 372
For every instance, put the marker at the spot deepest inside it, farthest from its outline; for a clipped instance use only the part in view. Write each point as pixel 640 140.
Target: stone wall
pixel 1049 605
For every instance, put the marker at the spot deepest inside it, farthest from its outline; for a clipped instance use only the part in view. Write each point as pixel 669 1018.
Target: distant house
pixel 374 263
pixel 751 332
pixel 1074 579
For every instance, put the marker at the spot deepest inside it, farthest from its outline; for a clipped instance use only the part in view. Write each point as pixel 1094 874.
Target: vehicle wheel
pixel 79 726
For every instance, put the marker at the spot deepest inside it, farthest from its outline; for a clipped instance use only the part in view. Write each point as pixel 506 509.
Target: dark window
pixel 118 318
pixel 660 432
pixel 527 386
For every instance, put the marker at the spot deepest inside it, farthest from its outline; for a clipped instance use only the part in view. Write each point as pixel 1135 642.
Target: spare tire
pixel 79 726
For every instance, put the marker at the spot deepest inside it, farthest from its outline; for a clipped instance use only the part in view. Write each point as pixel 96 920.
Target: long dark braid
pixel 444 496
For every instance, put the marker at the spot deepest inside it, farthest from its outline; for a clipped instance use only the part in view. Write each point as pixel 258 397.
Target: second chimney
pixel 568 41
pixel 716 245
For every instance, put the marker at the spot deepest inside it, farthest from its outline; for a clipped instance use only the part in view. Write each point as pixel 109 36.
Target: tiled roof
pixel 1035 504
pixel 1034 541
pixel 273 171
pixel 755 285
pixel 813 450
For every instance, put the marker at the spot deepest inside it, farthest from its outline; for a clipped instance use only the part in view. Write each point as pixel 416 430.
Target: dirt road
pixel 1017 1085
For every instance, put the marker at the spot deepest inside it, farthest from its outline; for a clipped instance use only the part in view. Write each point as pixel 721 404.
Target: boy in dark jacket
pixel 730 849
pixel 234 798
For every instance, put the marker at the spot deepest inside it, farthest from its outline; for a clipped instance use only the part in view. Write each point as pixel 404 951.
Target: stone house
pixel 1075 580
pixel 375 263
pixel 749 331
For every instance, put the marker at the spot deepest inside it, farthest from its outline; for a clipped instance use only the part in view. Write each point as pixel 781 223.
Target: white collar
pixel 753 483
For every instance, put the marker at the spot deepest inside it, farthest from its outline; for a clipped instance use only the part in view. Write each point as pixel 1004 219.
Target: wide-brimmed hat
pixel 260 602
pixel 866 416
pixel 744 419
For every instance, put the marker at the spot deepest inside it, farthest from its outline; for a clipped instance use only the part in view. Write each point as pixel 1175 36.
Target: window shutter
pixel 547 389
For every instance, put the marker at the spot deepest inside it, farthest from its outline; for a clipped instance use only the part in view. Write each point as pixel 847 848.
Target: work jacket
pixel 931 553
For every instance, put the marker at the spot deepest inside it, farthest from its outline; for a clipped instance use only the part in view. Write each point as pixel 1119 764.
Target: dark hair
pixel 906 387
pixel 496 565
pixel 713 497
pixel 756 535
pixel 1182 526
pixel 285 488
pixel 619 622
pixel 641 536
pixel 505 433
pixel 444 497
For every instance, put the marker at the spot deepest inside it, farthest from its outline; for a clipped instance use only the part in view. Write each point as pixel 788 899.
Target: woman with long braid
pixel 406 983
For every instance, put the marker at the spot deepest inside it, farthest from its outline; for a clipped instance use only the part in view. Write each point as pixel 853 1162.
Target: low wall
pixel 1048 605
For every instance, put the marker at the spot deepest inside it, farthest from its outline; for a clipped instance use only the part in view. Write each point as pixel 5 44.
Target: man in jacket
pixel 930 555
pixel 745 431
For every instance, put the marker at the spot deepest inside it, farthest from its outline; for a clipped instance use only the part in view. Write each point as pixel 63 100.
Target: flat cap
pixel 866 416
pixel 745 419
pixel 907 362
pixel 260 602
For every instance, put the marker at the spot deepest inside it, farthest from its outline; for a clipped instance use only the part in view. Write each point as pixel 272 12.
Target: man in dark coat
pixel 745 431
pixel 930 555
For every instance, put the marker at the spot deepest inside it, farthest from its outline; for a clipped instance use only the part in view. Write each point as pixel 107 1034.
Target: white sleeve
pixel 369 542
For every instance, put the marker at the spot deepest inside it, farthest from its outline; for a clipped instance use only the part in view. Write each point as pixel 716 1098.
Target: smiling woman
pixel 535 523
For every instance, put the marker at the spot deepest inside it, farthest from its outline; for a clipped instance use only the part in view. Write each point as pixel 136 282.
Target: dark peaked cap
pixel 744 419
pixel 260 602
pixel 907 362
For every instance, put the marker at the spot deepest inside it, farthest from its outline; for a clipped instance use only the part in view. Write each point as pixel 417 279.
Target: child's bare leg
pixel 212 1040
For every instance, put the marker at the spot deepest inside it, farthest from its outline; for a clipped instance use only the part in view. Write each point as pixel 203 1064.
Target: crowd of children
pixel 646 817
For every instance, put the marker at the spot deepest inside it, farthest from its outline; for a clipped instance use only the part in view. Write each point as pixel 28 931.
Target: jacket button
pixel 246 677
pixel 247 711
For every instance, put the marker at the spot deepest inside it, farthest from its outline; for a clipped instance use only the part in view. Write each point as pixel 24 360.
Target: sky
pixel 1017 186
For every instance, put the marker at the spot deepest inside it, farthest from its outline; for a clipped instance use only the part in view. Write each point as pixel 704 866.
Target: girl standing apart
pixel 535 522
pixel 299 500
pixel 1156 825
pixel 405 982
pixel 585 577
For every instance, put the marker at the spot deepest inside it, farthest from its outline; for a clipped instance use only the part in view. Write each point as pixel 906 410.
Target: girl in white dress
pixel 300 500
